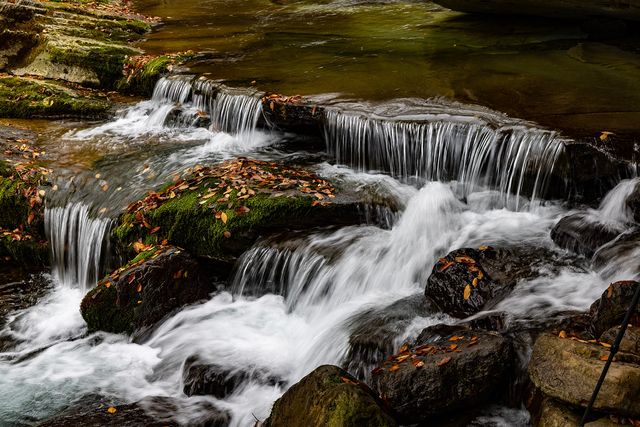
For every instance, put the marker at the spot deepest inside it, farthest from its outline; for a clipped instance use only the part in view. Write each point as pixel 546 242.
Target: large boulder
pixel 630 340
pixel 554 414
pixel 328 396
pixel 568 369
pixel 582 234
pixel 373 333
pixel 155 284
pixel 467 280
pixel 221 211
pixel 610 309
pixel 449 368
pixel 202 378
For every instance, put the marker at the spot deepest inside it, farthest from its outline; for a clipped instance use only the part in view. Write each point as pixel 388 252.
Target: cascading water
pixel 79 244
pixel 467 150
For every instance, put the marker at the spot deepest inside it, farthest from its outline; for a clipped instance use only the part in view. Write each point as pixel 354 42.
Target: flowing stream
pixel 457 180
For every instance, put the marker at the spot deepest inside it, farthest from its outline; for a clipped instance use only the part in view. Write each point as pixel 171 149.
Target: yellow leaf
pixel 223 217
pixel 111 410
pixel 467 292
pixel 562 334
pixel 475 282
pixel 605 135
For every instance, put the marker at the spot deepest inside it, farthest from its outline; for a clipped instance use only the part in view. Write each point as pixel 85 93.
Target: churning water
pixel 291 302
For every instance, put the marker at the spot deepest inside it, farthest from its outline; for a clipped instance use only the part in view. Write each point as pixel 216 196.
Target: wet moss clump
pixel 220 211
pixel 143 72
pixel 29 98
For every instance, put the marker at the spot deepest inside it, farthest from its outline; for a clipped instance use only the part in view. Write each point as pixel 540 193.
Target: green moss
pixel 185 222
pixel 26 98
pixel 142 81
pixel 101 311
pixel 13 206
pixel 5 169
pixel 27 253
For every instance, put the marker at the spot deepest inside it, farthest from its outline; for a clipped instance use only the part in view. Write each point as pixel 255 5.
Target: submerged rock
pixel 373 334
pixel 468 280
pixel 610 309
pixel 581 234
pixel 568 369
pixel 151 411
pixel 221 211
pixel 155 284
pixel 447 369
pixel 328 396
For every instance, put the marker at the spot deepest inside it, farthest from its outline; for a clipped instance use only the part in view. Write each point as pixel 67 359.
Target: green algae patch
pixel 29 98
pixel 330 397
pixel 220 211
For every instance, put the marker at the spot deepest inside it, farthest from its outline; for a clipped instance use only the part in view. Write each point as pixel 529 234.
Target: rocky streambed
pixel 220 255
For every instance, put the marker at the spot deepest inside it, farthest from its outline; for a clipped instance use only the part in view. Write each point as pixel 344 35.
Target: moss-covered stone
pixel 142 72
pixel 329 397
pixel 29 98
pixel 219 212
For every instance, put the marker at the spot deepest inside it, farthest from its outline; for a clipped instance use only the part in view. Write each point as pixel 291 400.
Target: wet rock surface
pixel 582 234
pixel 202 378
pixel 151 411
pixel 447 369
pixel 630 340
pixel 373 334
pixel 568 369
pixel 328 396
pixel 468 280
pixel 137 296
pixel 610 309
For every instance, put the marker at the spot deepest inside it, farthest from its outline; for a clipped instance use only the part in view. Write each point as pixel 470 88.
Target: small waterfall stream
pixel 291 302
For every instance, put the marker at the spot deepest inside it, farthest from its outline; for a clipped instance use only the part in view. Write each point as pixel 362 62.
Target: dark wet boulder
pixel 292 114
pixel 567 369
pixel 582 234
pixel 630 340
pixel 374 333
pixel 202 378
pixel 155 284
pixel 468 280
pixel 151 411
pixel 222 210
pixel 329 396
pixel 447 369
pixel 610 309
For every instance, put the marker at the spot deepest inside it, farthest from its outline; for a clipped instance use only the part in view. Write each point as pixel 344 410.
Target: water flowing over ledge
pixel 478 153
pixel 79 244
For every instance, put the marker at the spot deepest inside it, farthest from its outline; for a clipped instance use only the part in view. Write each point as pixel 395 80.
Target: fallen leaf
pixel 467 292
pixel 178 274
pixel 111 410
pixel 417 363
pixel 30 218
pixel 446 266
pixel 456 338
pixel 475 282
pixel 465 259
pixel 394 368
pixel 377 371
pixel 348 381
pixel 453 346
pixel 139 288
pixel 223 217
pixel 403 348
pixel 154 230
pixel 227 234
pixel 604 358
pixel 443 361
pixel 402 358
pixel 562 334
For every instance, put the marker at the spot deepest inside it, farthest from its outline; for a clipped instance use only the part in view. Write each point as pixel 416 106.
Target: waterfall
pixel 515 159
pixel 79 244
pixel 201 98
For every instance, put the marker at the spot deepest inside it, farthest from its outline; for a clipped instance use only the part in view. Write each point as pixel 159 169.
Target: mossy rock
pixel 29 98
pixel 143 72
pixel 218 214
pixel 329 397
pixel 153 285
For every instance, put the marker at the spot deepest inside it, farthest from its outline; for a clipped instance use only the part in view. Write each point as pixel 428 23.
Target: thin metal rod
pixel 612 353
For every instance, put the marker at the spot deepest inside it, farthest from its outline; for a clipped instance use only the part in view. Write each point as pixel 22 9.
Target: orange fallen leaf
pixel 443 361
pixel 348 380
pixel 463 259
pixel 377 371
pixel 562 334
pixel 456 338
pixel 403 348
pixel 224 217
pixel 394 368
pixel 139 288
pixel 467 292
pixel 111 410
pixel 453 346
pixel 445 266
pixel 154 230
pixel 417 363
pixel 402 358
